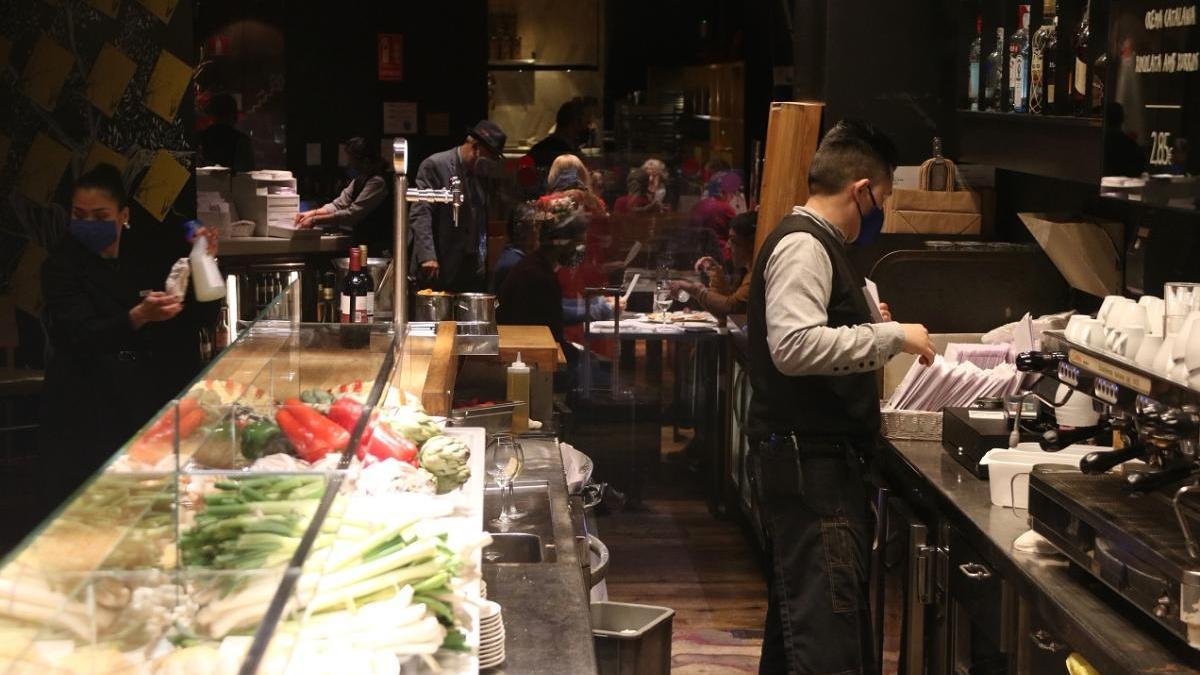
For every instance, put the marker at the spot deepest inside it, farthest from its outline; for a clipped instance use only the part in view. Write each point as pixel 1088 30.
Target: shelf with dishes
pixel 294 509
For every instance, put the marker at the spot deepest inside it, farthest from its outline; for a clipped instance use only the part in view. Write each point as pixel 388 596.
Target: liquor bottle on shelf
pixel 1043 64
pixel 1018 63
pixel 973 57
pixel 221 333
pixel 357 303
pixel 995 69
pixel 1099 72
pixel 1080 81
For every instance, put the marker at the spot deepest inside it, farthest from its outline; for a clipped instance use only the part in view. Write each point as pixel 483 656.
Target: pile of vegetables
pixel 252 523
pixel 446 458
pixel 387 584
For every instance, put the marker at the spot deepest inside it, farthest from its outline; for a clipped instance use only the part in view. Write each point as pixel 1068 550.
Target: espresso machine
pixel 1134 529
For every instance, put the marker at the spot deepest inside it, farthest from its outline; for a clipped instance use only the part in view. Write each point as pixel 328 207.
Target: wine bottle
pixel 1080 80
pixel 1043 65
pixel 357 304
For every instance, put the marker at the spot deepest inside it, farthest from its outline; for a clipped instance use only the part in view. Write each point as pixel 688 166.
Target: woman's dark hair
pixel 743 225
pixel 365 155
pixel 104 177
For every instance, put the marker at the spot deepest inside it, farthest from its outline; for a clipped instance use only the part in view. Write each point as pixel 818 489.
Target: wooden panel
pixel 536 345
pixel 438 391
pixel 792 134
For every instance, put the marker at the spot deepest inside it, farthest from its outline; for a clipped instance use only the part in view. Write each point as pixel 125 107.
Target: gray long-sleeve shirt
pixel 799 279
pixel 346 211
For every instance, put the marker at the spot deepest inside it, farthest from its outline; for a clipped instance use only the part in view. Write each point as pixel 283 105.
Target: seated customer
pixel 522 240
pixel 531 294
pixel 726 293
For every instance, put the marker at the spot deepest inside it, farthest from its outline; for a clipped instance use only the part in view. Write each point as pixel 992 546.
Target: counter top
pixel 1114 637
pixel 246 246
pixel 547 619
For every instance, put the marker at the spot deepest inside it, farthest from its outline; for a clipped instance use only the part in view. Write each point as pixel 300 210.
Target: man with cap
pixel 446 257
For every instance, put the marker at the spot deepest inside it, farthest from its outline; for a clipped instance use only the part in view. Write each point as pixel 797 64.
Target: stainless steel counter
pixel 248 246
pixel 1112 636
pixel 546 609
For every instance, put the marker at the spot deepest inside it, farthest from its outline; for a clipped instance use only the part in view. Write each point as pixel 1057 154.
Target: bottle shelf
pixel 1070 148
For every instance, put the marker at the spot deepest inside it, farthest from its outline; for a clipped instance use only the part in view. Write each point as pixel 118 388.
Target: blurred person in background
pixel 715 210
pixel 364 210
pixel 656 171
pixel 446 256
pixel 572 129
pixel 221 142
pixel 726 293
pixel 522 240
pixel 120 347
pixel 637 196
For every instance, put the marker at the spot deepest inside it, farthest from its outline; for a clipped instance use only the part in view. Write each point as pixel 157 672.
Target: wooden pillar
pixel 793 129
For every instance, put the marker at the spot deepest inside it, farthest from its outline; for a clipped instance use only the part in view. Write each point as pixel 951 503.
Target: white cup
pixel 1073 323
pixel 1107 305
pixel 1116 315
pixel 1134 316
pixel 1162 360
pixel 1147 351
pixel 1128 341
pixel 1155 307
pixel 1077 411
pixel 1091 333
pixel 1179 347
pixel 1191 355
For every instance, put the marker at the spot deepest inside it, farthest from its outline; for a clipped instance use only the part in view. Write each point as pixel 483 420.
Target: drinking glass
pixel 513 512
pixel 662 299
pixel 1179 299
pixel 504 462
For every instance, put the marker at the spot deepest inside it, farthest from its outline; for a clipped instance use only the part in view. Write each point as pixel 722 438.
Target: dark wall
pixel 333 91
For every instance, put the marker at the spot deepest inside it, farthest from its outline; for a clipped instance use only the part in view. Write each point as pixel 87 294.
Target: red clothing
pixel 714 214
pixel 627 203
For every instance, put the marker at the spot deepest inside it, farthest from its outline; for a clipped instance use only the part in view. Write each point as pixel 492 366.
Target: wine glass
pixel 514 513
pixel 504 462
pixel 662 299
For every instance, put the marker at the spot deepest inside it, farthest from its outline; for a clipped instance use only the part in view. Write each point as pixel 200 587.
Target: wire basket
pixel 911 425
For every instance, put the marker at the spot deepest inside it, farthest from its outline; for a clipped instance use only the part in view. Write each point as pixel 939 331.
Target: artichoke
pixel 446 458
pixel 415 425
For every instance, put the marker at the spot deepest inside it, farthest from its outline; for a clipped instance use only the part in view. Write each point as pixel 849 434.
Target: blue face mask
pixel 871 221
pixel 95 235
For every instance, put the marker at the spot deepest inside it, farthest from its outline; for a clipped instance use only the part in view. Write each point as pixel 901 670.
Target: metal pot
pixel 475 308
pixel 434 307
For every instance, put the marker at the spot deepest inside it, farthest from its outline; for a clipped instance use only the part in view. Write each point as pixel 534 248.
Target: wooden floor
pixel 672 552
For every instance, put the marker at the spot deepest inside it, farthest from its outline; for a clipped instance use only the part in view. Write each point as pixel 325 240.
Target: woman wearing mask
pixel 364 208
pixel 119 346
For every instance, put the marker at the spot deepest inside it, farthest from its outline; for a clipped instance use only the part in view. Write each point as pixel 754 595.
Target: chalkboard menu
pixel 1152 102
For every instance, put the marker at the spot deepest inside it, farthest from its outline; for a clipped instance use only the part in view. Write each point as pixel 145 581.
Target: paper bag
pixel 931 212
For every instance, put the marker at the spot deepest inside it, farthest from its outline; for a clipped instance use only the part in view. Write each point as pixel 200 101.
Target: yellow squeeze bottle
pixel 518 390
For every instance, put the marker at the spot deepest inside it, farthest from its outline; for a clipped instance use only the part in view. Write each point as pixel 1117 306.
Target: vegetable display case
pixel 275 517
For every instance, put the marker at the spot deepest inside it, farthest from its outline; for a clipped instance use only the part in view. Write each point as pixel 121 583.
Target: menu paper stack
pixel 946 383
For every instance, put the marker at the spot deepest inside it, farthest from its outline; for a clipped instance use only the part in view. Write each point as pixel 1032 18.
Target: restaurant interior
pixel 384 443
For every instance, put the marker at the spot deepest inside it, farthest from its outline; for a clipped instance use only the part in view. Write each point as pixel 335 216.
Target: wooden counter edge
pixel 438 391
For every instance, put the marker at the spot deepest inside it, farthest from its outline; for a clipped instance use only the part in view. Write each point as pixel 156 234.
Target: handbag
pixel 937 206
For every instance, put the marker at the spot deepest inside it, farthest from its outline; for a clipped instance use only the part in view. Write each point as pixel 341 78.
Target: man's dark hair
pixel 743 225
pixel 851 150
pixel 569 113
pixel 104 177
pixel 365 155
pixel 522 222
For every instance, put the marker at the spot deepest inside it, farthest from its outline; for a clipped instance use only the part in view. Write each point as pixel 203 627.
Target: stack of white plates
pixel 491 635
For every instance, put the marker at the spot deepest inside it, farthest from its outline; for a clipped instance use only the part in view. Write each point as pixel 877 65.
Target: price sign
pixel 1153 81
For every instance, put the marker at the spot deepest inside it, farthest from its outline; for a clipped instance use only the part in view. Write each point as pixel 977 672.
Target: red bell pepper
pixel 308 448
pixel 325 429
pixel 387 443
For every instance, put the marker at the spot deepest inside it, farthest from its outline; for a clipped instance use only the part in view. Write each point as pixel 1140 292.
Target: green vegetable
pixel 415 425
pixel 257 437
pixel 446 458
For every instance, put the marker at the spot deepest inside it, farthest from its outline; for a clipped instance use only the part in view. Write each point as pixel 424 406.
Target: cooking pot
pixel 434 307
pixel 475 308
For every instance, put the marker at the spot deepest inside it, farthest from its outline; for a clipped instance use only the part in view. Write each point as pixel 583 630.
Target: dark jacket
pixel 811 406
pixel 532 296
pixel 434 236
pixel 104 380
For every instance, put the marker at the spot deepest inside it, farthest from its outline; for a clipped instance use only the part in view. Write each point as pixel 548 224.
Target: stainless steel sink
pixel 528 540
pixel 514 547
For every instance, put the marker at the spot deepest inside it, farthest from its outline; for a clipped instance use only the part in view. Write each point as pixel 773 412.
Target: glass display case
pixel 227 528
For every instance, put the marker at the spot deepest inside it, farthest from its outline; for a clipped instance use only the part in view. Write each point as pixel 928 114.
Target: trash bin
pixel 632 639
